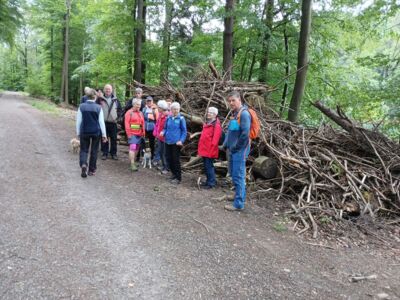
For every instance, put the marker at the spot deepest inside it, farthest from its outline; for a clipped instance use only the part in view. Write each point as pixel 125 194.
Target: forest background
pixel 54 48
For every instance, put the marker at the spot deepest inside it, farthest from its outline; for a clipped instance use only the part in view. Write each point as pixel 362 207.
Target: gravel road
pixel 119 235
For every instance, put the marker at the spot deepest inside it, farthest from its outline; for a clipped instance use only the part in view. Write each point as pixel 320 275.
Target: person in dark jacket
pixel 90 128
pixel 175 135
pixel 150 114
pixel 208 146
pixel 111 111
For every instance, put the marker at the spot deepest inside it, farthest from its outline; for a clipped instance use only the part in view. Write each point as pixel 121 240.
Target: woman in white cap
pixel 175 135
pixel 208 146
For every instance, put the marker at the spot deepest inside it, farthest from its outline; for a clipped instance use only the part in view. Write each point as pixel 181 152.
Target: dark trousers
pixel 210 171
pixel 111 129
pixel 150 136
pixel 173 153
pixel 87 142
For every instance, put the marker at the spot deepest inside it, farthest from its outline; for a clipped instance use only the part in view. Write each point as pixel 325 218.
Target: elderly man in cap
pixel 111 111
pixel 150 114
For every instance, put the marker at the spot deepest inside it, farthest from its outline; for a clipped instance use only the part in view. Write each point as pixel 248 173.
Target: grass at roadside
pixel 45 106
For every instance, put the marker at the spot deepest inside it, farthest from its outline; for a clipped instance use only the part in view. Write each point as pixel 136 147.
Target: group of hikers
pixel 164 128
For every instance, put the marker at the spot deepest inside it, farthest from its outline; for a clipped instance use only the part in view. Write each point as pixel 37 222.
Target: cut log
pixel 195 119
pixel 193 160
pixel 265 167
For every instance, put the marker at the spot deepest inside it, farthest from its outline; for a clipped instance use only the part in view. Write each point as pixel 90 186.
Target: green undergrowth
pixel 45 106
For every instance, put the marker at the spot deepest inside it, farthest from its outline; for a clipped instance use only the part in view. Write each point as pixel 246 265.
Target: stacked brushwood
pixel 327 173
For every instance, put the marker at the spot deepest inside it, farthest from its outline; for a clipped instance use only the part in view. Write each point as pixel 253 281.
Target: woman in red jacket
pixel 135 131
pixel 208 146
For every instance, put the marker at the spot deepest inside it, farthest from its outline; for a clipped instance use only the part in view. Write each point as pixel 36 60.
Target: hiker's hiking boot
pixel 84 170
pixel 230 207
pixel 92 172
pixel 134 167
pixel 175 181
pixel 114 157
pixel 206 187
pixel 104 157
pixel 164 172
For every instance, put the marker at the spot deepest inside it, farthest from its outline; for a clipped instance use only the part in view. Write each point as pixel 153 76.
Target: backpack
pixel 255 123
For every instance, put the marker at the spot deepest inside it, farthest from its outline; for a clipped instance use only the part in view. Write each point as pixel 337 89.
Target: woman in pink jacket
pixel 208 146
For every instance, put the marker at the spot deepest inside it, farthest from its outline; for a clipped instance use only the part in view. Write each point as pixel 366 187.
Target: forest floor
pixel 119 235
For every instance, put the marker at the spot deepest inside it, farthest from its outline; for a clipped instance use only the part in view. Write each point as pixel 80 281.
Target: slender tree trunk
pixel 227 61
pixel 164 64
pixel 268 21
pixel 25 53
pixel 52 87
pixel 302 61
pixel 81 75
pixel 144 41
pixel 137 74
pixel 253 62
pixel 244 63
pixel 130 43
pixel 287 72
pixel 64 79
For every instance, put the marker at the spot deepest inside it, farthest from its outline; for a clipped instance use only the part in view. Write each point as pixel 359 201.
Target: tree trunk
pixel 144 41
pixel 253 62
pixel 302 61
pixel 265 167
pixel 268 21
pixel 228 39
pixel 25 53
pixel 244 64
pixel 52 87
pixel 129 64
pixel 164 64
pixel 81 75
pixel 287 72
pixel 137 74
pixel 64 78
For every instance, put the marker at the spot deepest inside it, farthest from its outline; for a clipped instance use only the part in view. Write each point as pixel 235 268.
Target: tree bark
pixel 130 44
pixel 287 72
pixel 64 78
pixel 253 62
pixel 144 41
pixel 227 61
pixel 265 167
pixel 137 74
pixel 268 21
pixel 52 87
pixel 164 64
pixel 302 61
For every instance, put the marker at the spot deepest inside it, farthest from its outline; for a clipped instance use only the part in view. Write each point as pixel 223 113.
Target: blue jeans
pixel 210 171
pixel 162 152
pixel 237 164
pixel 157 152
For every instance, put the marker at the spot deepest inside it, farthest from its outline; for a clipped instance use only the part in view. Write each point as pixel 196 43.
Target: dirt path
pixel 120 235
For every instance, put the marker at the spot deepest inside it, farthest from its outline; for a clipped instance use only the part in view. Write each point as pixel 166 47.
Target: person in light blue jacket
pixel 175 135
pixel 238 142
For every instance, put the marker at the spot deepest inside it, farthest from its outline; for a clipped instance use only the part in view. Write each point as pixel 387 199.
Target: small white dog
pixel 146 158
pixel 75 145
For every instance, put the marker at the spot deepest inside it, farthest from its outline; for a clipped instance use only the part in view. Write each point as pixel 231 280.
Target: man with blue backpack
pixel 243 127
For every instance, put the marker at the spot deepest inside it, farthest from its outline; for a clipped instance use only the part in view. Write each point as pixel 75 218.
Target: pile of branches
pixel 331 174
pixel 326 172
